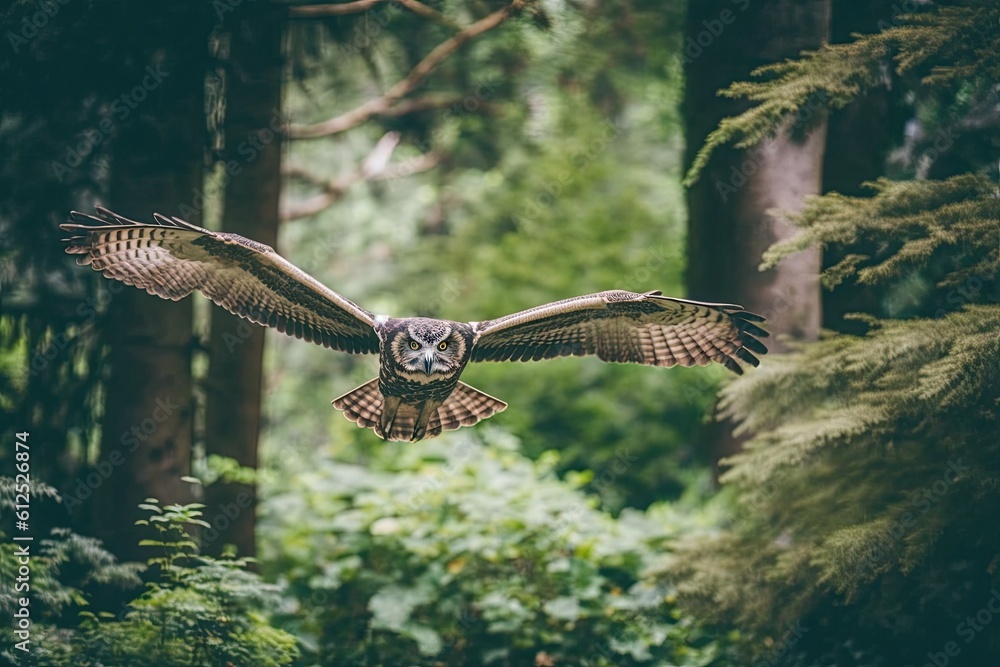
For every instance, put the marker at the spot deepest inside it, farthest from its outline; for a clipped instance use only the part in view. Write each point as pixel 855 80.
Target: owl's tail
pixel 464 407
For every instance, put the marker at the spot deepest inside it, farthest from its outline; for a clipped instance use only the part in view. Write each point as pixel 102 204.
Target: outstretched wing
pixel 626 327
pixel 172 258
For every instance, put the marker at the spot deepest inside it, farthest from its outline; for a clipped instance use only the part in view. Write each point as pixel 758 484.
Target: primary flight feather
pixel 417 393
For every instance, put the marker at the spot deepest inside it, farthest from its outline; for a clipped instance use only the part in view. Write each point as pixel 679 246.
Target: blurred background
pixel 195 499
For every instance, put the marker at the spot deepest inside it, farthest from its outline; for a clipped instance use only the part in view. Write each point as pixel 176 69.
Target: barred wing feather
pixel 172 258
pixel 626 327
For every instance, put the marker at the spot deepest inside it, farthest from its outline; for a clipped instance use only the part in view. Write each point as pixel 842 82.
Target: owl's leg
pixel 390 407
pixel 427 410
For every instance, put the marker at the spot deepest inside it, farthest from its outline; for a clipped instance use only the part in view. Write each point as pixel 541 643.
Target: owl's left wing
pixel 626 327
pixel 172 258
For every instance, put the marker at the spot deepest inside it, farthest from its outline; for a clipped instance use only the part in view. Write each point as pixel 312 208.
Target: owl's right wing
pixel 625 327
pixel 172 258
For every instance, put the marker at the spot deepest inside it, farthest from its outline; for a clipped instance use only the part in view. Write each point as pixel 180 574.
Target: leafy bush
pixel 196 611
pixel 462 553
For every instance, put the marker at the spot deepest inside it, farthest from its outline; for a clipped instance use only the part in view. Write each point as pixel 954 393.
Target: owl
pixel 418 392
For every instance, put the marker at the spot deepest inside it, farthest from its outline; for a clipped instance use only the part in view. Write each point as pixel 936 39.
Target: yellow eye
pixel 443 345
pixel 414 345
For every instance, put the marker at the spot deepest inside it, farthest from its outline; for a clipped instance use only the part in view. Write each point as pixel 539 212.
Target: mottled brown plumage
pixel 417 393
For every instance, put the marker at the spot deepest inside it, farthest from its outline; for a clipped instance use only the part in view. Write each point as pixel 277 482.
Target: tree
pixel 865 131
pixel 157 165
pixel 135 131
pixel 872 464
pixel 51 359
pixel 733 204
pixel 254 129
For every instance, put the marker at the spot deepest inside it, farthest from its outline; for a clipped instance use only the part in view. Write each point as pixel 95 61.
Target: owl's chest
pixel 415 387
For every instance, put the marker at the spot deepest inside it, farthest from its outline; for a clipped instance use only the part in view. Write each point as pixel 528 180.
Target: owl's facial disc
pixel 429 351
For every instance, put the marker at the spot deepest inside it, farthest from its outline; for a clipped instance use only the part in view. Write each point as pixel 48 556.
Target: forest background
pixel 195 500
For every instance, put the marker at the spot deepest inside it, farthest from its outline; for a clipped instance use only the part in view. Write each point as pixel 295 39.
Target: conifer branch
pixel 910 222
pixel 952 38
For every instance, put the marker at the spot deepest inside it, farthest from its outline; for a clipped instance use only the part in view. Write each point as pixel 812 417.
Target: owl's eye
pixel 414 345
pixel 443 345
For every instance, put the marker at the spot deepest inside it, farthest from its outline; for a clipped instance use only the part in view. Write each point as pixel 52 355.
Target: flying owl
pixel 417 393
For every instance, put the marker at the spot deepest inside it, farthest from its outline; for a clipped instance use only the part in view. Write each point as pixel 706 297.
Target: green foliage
pixel 209 613
pixel 859 508
pixel 459 553
pixel 873 467
pixel 872 464
pixel 195 610
pixel 954 47
pixel 947 228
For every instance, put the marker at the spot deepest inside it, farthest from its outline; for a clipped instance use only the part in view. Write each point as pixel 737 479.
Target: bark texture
pixel 732 207
pixel 253 143
pixel 157 165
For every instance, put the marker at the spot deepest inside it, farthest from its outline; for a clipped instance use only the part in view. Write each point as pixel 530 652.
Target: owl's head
pixel 429 347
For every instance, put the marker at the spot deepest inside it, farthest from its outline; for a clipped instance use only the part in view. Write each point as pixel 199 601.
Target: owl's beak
pixel 428 362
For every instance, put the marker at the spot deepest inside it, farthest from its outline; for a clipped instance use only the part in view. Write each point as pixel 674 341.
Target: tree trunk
pixel 730 207
pixel 865 130
pixel 157 165
pixel 236 348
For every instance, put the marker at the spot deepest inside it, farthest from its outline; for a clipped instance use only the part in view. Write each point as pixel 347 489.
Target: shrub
pixel 196 611
pixel 460 553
